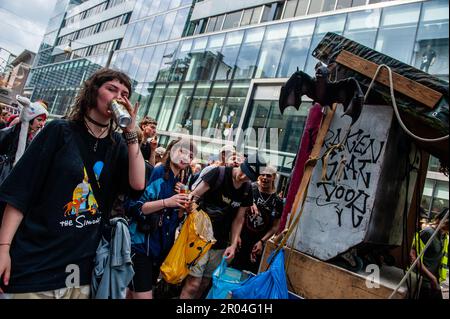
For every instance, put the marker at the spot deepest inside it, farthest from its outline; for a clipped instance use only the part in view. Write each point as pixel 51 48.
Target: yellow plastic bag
pixel 195 239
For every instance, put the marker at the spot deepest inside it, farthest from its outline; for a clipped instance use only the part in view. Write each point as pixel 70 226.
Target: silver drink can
pixel 121 115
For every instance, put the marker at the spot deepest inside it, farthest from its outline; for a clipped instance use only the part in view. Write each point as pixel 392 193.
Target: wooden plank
pixel 414 90
pixel 311 278
pixel 307 173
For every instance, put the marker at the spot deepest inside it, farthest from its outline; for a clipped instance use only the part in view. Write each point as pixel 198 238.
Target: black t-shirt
pixel 222 202
pixel 270 207
pixel 62 217
pixel 146 150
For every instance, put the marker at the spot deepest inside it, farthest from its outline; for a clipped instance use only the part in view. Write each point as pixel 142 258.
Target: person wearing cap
pixel 15 139
pixel 225 194
pixel 225 153
pixel 261 221
pixel 433 266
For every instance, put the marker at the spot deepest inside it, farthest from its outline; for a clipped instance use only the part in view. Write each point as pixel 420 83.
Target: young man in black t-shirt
pixel 224 194
pixel 261 221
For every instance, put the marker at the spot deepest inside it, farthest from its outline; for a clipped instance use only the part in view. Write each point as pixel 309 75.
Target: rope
pixel 443 220
pixel 394 104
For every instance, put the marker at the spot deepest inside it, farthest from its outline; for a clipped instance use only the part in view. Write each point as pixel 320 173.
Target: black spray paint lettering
pixel 363 152
pixel 356 201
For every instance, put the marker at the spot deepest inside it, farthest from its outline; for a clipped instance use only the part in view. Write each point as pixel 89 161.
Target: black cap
pixel 252 166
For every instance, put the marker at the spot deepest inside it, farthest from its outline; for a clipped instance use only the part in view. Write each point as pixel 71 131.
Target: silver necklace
pixel 264 201
pixel 96 137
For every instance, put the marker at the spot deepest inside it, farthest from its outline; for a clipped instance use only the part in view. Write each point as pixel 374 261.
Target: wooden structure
pixel 312 277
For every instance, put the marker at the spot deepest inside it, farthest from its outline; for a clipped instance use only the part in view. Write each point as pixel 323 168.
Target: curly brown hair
pixel 147 120
pixel 87 97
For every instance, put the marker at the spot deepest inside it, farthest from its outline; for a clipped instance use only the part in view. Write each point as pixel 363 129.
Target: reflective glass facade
pixel 210 78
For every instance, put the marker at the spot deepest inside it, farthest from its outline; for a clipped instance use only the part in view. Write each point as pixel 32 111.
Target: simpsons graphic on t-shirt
pixel 83 199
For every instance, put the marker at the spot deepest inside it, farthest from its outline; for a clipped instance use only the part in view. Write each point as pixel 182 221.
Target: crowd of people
pixel 63 186
pixel 61 182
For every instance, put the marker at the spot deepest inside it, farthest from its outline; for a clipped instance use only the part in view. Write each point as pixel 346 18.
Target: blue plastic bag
pixel 225 279
pixel 270 284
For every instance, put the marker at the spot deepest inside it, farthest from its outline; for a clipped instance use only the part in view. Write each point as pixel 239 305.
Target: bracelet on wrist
pixel 164 204
pixel 131 137
pixel 5 244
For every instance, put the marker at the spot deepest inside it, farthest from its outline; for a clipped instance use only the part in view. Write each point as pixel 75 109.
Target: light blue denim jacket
pixel 113 267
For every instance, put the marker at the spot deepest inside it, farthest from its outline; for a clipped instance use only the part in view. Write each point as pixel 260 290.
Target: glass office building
pixel 213 68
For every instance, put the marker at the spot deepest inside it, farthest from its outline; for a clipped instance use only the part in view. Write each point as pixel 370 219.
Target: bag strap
pixel 99 192
pixel 220 178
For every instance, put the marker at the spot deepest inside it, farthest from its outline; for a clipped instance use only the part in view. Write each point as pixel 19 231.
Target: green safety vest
pixel 443 268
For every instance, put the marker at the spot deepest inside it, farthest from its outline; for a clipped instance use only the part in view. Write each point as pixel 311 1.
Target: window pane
pixel 267 13
pixel 182 61
pixel 316 6
pixel 155 63
pixel 289 11
pixel 154 7
pixel 143 68
pixel 211 24
pixel 156 29
pixel 341 4
pixel 229 52
pixel 168 62
pixel 397 30
pixel 144 9
pixel 136 10
pixel 256 15
pixel 246 62
pixel 362 26
pixel 174 4
pixel 232 20
pixel 136 58
pixel 213 56
pixel 167 26
pixel 180 22
pixel 296 47
pixel 270 51
pixel 181 106
pixel 358 3
pixel 234 105
pixel 400 15
pixel 432 48
pixel 136 33
pixel 215 106
pixel 302 8
pixel 219 22
pixel 163 6
pixel 290 126
pixel 167 106
pixel 246 17
pixel 325 24
pixel 328 5
pixel 158 94
pixel 198 68
pixel 147 27
pixel 198 107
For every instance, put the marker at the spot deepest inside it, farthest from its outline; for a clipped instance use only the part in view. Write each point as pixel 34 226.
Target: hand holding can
pixel 120 114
